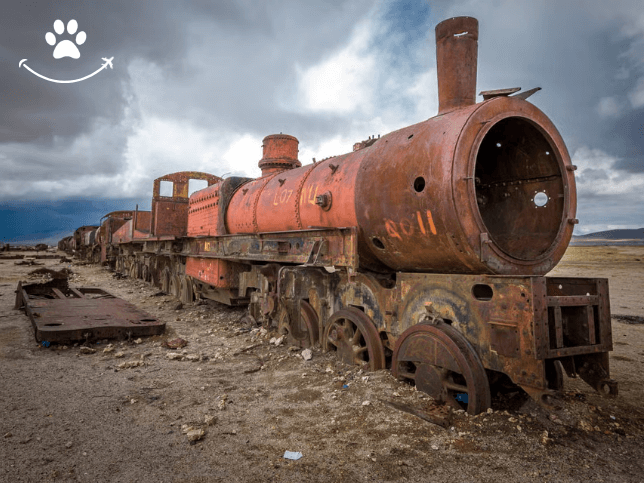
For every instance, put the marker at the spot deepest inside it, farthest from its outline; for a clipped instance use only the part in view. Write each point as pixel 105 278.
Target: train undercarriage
pixel 452 335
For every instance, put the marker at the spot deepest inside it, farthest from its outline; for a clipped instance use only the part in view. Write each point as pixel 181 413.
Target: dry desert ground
pixel 121 415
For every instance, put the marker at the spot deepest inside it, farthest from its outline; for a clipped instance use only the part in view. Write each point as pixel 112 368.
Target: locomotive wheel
pixel 145 273
pixel 175 286
pixel 165 281
pixel 133 272
pixel 186 294
pixel 156 278
pixel 303 336
pixel 351 333
pixel 554 375
pixel 443 364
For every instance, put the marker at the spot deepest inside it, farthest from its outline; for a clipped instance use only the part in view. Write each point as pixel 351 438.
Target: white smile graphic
pixel 108 62
pixel 67 48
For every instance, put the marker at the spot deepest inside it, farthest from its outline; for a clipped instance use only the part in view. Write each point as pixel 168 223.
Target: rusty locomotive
pixel 424 250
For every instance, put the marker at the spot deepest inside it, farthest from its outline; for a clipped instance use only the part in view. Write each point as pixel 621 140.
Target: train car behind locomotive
pixel 424 251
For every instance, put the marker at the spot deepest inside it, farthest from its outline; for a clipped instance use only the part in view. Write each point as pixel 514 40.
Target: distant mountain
pixel 629 234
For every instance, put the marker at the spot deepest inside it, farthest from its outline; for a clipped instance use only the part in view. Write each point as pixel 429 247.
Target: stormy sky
pixel 196 85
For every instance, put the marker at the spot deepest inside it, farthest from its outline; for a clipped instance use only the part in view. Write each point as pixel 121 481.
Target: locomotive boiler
pixel 480 188
pixel 424 250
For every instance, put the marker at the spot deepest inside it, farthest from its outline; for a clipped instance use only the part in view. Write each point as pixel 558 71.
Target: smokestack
pixel 280 153
pixel 456 56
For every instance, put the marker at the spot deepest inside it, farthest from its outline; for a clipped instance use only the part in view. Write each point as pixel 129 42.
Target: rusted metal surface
pixel 123 234
pixel 65 244
pixel 142 222
pixel 498 92
pixel 280 153
pixel 145 245
pixel 500 316
pixel 352 335
pixel 480 188
pixel 214 271
pixel 110 224
pixel 573 317
pixel 442 363
pixel 208 207
pixel 287 200
pixel 82 238
pixel 525 94
pixel 366 143
pixel 302 332
pixel 60 314
pixel 169 215
pixel 135 229
pixel 311 247
pixel 466 205
pixel 506 321
pixel 456 57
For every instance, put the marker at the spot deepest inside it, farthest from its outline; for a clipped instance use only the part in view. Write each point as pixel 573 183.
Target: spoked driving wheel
pixel 352 334
pixel 443 364
pixel 306 333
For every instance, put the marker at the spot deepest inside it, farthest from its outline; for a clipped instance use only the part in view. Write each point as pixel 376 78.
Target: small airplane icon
pixel 108 62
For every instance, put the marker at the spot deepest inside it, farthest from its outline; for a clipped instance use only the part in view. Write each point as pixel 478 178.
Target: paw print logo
pixel 66 48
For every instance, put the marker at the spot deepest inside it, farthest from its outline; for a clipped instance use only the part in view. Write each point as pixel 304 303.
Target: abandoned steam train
pixel 424 250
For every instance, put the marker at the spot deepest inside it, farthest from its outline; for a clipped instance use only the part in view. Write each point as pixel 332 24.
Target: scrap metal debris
pixel 175 343
pixel 65 273
pixel 28 262
pixel 438 420
pixel 32 257
pixel 61 313
pixel 629 319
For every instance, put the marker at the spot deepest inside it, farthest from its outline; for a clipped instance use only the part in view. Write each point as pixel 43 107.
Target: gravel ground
pixel 127 412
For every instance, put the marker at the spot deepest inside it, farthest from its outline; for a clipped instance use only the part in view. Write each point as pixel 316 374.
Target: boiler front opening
pixel 519 188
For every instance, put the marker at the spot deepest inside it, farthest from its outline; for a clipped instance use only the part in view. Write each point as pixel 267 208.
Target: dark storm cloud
pixel 625 137
pixel 232 76
pixel 34 109
pixel 575 51
pixel 191 76
pixel 62 157
pixel 221 64
pixel 29 221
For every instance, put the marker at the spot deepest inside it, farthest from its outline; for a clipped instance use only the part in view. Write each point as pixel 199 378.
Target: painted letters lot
pixel 103 417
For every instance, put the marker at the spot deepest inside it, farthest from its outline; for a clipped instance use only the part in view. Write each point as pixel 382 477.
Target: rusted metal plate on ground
pixel 60 314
